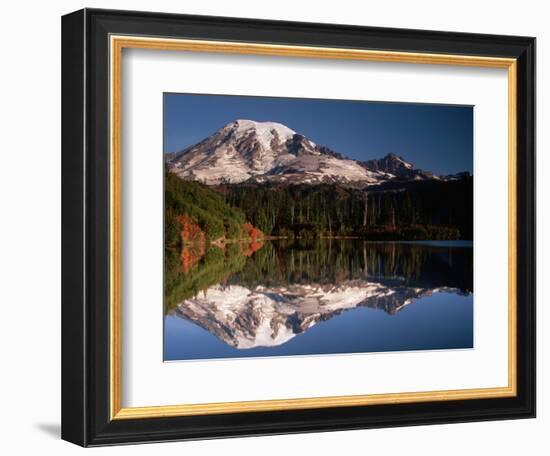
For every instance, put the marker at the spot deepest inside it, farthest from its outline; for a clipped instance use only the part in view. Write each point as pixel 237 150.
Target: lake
pixel 314 297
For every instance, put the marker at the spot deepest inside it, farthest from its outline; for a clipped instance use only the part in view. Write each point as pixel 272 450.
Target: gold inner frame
pixel 117 44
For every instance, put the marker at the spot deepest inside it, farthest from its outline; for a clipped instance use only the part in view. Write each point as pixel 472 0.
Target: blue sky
pixel 436 138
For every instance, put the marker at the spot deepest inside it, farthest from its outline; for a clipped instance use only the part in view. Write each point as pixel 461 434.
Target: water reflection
pixel 264 296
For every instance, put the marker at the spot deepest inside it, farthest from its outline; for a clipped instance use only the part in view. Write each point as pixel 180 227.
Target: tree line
pixel 418 210
pixel 206 207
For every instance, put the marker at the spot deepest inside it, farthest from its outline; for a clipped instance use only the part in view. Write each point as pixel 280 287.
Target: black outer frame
pixel 85 227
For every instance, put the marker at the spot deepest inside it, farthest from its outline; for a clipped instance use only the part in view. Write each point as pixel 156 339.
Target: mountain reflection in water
pixel 256 304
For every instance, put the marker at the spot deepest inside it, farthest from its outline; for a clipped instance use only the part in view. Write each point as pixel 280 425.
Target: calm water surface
pixel 317 297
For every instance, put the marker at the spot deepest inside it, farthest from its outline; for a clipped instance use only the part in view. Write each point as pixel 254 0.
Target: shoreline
pixel 223 242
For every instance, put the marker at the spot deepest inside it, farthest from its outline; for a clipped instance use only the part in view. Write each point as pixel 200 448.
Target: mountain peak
pixel 390 164
pixel 248 150
pixel 393 156
pixel 249 123
pixel 240 150
pixel 398 159
pixel 263 129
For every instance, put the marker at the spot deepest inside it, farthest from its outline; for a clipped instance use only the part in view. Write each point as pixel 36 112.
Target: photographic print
pixel 293 201
pixel 314 227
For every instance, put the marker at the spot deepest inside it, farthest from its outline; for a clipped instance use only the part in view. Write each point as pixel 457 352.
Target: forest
pixel 203 205
pixel 418 210
pixel 412 211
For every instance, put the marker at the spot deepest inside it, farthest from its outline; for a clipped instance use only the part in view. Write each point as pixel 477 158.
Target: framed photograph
pixel 279 227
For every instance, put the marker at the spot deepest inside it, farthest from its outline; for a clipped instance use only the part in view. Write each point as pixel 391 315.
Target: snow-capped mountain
pixel 268 316
pixel 235 153
pixel 250 151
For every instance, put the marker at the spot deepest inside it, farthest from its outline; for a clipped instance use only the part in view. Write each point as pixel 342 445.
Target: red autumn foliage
pixel 194 242
pixel 253 247
pixel 191 232
pixel 189 257
pixel 252 231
